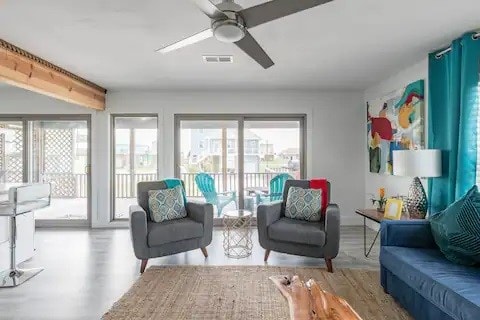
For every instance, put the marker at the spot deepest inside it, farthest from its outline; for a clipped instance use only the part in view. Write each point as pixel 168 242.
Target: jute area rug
pixel 243 292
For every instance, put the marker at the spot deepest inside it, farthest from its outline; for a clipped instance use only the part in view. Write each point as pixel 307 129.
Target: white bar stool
pixel 22 199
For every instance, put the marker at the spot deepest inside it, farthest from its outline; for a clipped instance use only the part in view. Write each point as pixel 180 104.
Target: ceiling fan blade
pixel 209 9
pixel 251 47
pixel 205 34
pixel 276 9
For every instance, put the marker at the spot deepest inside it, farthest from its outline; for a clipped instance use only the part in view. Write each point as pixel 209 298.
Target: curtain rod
pixel 475 36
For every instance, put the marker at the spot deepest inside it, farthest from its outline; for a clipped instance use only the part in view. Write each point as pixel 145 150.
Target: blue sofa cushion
pixel 298 231
pixel 456 230
pixel 454 288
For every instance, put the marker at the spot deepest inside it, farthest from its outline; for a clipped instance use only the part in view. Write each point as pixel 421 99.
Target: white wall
pixel 394 185
pixel 335 123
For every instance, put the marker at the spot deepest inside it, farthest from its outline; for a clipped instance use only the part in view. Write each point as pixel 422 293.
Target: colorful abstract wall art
pixel 395 122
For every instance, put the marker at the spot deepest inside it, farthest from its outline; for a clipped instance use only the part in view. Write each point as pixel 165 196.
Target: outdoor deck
pixel 74 207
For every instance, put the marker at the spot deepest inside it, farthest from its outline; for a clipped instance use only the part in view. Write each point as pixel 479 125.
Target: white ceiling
pixel 345 44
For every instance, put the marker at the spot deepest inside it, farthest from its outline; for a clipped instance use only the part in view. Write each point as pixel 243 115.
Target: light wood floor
pixel 86 271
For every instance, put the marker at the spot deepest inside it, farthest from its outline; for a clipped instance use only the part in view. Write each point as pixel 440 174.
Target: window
pixel 251 145
pixel 215 146
pixel 240 161
pixel 134 157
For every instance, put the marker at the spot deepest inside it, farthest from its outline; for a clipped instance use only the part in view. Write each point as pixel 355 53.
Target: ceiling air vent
pixel 218 59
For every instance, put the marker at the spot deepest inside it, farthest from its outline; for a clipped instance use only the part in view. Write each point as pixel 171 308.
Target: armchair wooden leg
pixel 329 265
pixel 204 251
pixel 143 265
pixel 267 253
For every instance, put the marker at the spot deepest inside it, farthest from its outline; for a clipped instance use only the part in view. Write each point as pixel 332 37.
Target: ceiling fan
pixel 230 23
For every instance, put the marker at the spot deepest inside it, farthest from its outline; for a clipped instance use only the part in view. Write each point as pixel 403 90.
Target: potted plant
pixel 380 202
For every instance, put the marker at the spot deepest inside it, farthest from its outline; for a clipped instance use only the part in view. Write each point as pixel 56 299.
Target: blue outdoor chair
pixel 206 185
pixel 276 189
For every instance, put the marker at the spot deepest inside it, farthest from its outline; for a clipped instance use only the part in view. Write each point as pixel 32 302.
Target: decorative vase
pixel 417 199
pixel 381 207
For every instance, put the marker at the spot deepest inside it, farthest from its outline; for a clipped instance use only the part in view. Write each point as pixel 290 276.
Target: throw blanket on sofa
pixel 321 183
pixel 174 182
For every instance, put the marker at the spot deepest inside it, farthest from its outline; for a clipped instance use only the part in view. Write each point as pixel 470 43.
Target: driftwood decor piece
pixel 307 301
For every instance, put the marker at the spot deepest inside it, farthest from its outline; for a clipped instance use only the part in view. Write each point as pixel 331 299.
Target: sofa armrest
pixel 139 231
pixel 266 215
pixel 200 212
pixel 406 233
pixel 332 230
pixel 203 213
pixel 269 213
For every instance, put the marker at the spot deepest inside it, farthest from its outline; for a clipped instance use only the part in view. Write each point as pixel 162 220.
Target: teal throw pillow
pixel 304 204
pixel 456 230
pixel 166 204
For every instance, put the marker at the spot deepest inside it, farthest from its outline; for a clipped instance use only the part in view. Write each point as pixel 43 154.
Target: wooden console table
pixel 376 216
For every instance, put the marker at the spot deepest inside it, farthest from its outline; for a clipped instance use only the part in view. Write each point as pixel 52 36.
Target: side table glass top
pixel 377 216
pixel 238 214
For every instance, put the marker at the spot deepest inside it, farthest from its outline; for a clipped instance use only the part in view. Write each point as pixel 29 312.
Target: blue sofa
pixel 421 279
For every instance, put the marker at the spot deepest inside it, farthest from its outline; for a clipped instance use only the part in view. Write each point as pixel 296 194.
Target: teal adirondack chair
pixel 206 185
pixel 276 189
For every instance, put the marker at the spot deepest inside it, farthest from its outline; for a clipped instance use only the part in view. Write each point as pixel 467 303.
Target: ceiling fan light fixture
pixel 230 23
pixel 228 31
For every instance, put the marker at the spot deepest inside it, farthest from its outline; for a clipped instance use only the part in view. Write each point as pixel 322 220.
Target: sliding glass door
pixel 272 151
pixel 59 155
pixel 134 158
pixel 11 151
pixel 53 149
pixel 239 155
pixel 210 147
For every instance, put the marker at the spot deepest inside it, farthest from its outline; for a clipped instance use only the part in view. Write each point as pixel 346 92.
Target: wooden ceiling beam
pixel 23 69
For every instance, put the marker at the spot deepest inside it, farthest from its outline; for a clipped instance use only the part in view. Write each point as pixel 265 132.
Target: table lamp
pixel 417 164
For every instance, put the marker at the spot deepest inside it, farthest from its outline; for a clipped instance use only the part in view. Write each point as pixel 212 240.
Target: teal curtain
pixel 453 107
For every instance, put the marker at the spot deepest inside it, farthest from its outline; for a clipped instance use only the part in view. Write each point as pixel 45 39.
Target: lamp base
pixel 417 199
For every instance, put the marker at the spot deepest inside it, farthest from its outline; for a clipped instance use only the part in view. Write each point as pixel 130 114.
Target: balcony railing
pixel 125 188
pixel 66 185
pixel 126 183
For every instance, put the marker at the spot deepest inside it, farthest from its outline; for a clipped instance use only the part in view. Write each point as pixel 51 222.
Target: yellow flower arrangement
pixel 381 200
pixel 381 193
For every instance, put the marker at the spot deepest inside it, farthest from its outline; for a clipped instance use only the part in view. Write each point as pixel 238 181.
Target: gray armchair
pixel 151 239
pixel 312 239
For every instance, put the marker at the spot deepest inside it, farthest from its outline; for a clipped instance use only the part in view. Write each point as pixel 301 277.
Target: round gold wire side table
pixel 237 234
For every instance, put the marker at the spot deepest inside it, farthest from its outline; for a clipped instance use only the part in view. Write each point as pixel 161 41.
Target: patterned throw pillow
pixel 304 204
pixel 166 204
pixel 456 230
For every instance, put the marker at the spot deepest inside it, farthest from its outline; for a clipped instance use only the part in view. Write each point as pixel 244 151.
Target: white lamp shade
pixel 417 163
